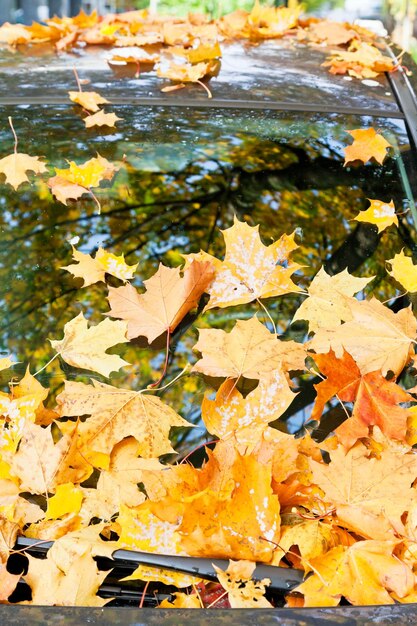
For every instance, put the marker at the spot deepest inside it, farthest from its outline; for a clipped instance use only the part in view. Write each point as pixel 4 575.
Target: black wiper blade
pixel 282 579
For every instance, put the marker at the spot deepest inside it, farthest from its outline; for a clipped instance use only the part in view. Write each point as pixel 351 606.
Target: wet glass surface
pixel 183 176
pixel 275 71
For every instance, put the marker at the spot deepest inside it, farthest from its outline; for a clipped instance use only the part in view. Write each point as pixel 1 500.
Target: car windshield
pixel 184 174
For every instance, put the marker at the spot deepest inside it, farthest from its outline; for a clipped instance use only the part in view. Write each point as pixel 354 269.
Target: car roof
pixel 280 74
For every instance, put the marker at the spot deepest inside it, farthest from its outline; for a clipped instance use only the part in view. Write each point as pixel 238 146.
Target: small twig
pixel 14 134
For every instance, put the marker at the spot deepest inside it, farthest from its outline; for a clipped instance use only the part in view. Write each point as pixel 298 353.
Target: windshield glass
pixel 184 174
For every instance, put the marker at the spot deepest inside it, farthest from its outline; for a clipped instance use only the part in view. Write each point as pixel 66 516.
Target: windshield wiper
pixel 282 579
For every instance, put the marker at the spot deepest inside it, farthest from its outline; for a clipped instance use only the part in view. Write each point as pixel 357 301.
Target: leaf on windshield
pixel 380 213
pixel 367 144
pixel 404 271
pixel 93 270
pixel 86 347
pixel 73 182
pixel 101 119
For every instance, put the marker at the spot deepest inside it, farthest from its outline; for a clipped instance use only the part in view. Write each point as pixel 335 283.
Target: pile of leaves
pixel 90 473
pixel 188 49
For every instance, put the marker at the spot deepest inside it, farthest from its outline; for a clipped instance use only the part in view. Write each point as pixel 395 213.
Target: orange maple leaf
pixel 367 144
pixel 170 295
pixel 376 399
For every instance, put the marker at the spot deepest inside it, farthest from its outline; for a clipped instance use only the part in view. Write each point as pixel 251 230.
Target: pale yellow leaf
pixel 87 99
pixel 15 167
pixel 324 308
pixel 86 347
pixel 101 119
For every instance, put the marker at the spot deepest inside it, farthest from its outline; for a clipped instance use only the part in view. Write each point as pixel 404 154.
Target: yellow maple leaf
pixel 119 484
pixel 404 271
pixel 77 586
pixel 67 499
pixel 376 337
pixel 380 213
pixel 15 167
pixel 245 419
pixel 119 413
pixel 73 182
pixel 367 144
pixel 250 269
pixel 266 22
pixel 88 99
pixel 362 60
pixel 86 347
pixel 181 601
pixel 5 363
pixel 244 519
pixel 101 119
pixel 14 34
pixel 93 270
pixel 364 574
pixel 313 539
pixel 15 412
pixel 325 308
pixel 41 465
pixel 243 592
pixel 144 531
pixel 370 495
pixel 30 385
pixel 88 174
pixel 186 72
pixel 248 351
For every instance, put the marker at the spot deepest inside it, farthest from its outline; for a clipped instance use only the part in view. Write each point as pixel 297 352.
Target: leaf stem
pixel 14 134
pixel 96 200
pixel 217 600
pixel 46 365
pixel 145 589
pixel 164 371
pixel 209 94
pixel 202 445
pixel 267 314
pixel 77 78
pixel 171 382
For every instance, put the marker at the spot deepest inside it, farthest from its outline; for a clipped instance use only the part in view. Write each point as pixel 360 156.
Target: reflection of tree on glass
pixel 171 197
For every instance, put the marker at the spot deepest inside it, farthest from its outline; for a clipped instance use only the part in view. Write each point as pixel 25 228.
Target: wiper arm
pixel 282 578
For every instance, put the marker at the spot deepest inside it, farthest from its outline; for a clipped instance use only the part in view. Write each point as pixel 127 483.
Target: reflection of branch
pixel 123 209
pixel 162 230
pixel 34 308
